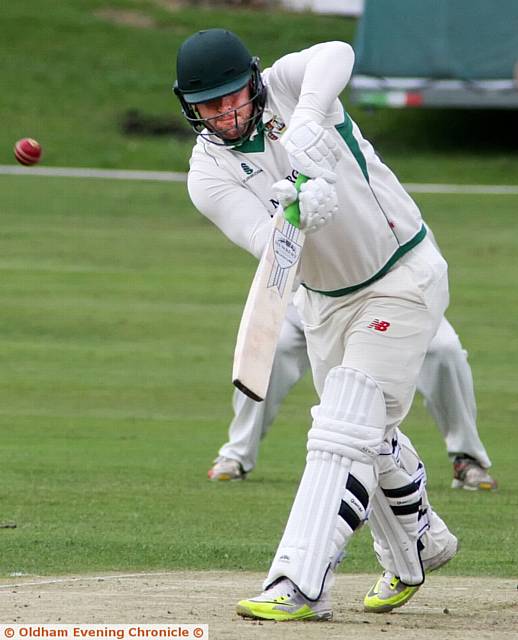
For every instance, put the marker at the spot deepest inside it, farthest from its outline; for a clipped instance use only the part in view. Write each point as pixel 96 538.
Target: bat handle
pixel 292 213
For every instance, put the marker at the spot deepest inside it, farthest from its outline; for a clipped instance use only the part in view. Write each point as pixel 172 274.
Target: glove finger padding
pixel 312 150
pixel 317 203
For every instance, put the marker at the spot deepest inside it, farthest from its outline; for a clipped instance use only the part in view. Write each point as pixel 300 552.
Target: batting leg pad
pixel 339 477
pixel 400 511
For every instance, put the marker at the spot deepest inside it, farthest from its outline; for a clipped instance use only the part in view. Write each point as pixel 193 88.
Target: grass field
pixel 71 71
pixel 120 304
pixel 119 311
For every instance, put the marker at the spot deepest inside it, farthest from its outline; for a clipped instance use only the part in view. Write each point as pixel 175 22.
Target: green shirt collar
pixel 254 144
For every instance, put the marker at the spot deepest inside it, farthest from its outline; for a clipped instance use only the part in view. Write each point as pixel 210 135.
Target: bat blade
pixel 265 308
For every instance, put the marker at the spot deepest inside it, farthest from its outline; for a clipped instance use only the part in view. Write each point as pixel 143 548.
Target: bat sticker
pixel 287 254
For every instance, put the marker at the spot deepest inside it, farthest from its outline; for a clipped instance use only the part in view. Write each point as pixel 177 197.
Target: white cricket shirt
pixel 377 221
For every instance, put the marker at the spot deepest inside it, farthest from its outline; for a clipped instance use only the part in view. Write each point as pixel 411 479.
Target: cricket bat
pixel 266 304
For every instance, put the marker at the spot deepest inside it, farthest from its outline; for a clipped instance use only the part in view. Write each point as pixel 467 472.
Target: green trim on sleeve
pixel 346 131
pixel 404 248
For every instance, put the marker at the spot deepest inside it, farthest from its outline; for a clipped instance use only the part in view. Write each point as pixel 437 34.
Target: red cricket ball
pixel 27 151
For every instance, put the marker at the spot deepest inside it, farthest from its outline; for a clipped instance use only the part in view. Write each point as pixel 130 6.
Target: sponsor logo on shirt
pixel 249 171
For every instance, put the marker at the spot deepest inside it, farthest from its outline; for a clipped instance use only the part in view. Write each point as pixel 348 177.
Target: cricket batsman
pixel 374 291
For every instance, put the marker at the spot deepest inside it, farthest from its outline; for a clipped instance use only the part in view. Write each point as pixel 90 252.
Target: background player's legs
pixel 446 383
pixel 252 419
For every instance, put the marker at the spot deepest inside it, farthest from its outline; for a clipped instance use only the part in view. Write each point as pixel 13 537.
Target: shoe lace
pixel 394 582
pixel 280 587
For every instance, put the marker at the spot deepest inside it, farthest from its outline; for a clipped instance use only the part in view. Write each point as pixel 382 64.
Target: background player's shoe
pixel 226 469
pixel 283 602
pixel 468 474
pixel 387 594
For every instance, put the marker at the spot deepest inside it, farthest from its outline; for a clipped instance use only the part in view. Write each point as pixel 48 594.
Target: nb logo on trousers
pixel 379 325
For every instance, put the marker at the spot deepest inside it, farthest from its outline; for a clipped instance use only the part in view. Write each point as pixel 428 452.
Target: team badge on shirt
pixel 274 128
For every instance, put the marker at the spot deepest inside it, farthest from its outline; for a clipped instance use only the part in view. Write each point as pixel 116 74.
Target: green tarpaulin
pixel 458 39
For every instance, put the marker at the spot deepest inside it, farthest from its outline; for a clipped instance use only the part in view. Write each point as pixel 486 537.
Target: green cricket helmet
pixel 211 64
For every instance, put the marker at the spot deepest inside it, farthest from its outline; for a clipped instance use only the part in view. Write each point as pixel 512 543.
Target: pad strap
pixel 399 515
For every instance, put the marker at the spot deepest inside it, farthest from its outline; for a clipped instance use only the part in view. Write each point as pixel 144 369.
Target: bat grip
pixel 292 213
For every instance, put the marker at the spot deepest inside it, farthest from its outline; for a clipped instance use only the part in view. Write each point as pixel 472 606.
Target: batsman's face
pixel 228 116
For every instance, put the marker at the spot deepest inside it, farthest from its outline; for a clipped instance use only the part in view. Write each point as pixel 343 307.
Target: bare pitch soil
pixel 445 608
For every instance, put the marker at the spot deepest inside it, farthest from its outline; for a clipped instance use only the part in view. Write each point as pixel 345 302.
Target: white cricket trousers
pixel 384 329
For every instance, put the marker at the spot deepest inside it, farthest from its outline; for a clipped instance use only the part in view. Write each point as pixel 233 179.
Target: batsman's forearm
pixel 326 75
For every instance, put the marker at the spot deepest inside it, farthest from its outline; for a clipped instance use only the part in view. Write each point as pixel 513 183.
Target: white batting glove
pixel 284 191
pixel 318 204
pixel 312 150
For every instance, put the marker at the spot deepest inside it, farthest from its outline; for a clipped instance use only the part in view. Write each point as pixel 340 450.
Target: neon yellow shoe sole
pixel 387 594
pixel 279 611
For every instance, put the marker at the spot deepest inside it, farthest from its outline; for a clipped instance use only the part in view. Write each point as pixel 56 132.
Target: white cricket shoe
pixel 468 474
pixel 226 469
pixel 283 602
pixel 389 592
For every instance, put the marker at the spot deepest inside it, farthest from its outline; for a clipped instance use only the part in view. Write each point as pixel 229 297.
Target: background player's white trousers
pixel 446 383
pixel 253 419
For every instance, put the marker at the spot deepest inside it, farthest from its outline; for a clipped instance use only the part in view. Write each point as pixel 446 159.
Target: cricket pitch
pixel 450 608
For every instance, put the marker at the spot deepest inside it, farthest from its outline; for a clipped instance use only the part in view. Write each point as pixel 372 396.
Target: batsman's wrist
pixel 305 113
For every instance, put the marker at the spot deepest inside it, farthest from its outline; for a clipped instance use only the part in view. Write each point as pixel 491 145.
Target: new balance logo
pixel 379 325
pixel 248 170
